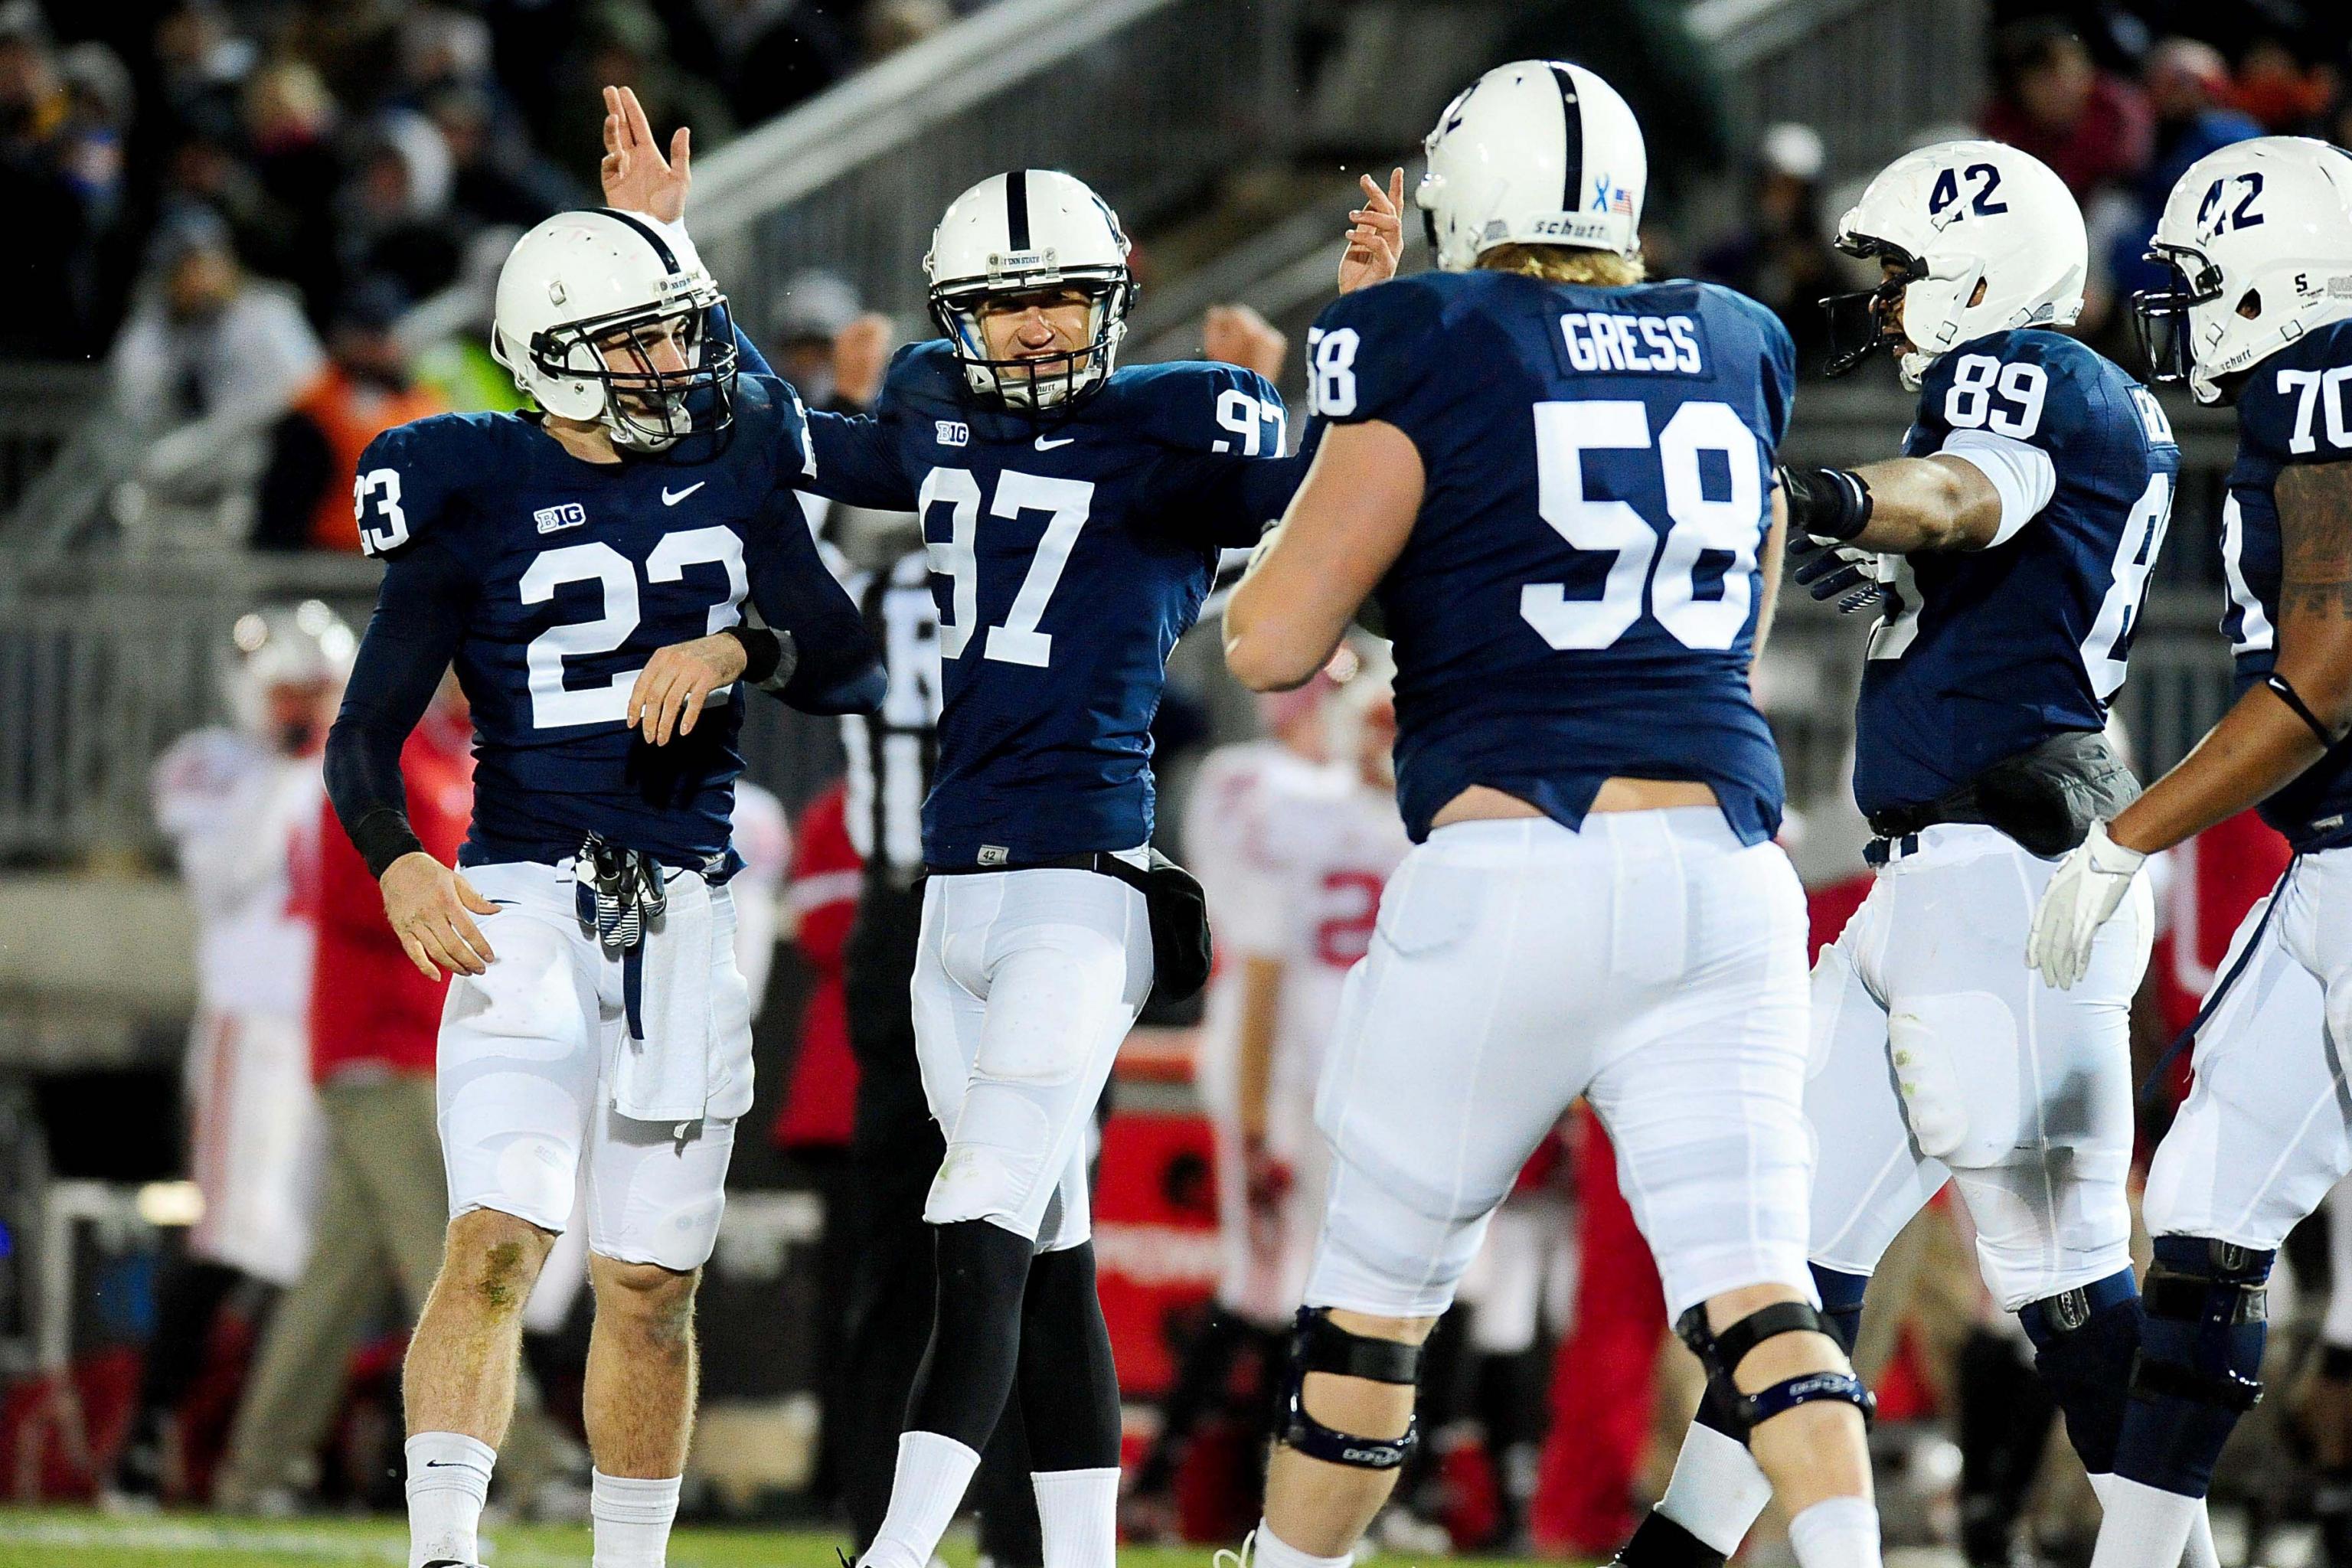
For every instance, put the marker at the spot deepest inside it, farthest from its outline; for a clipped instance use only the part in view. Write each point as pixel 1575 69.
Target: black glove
pixel 1831 505
pixel 1827 571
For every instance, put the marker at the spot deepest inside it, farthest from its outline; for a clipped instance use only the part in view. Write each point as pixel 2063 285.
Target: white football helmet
pixel 1952 216
pixel 1534 153
pixel 584 285
pixel 2259 238
pixel 304 645
pixel 1020 233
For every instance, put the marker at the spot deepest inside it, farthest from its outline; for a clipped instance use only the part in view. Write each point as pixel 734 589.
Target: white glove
pixel 2081 895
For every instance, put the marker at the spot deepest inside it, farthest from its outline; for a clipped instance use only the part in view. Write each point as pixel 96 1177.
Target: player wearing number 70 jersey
pixel 586 568
pixel 2018 528
pixel 1556 477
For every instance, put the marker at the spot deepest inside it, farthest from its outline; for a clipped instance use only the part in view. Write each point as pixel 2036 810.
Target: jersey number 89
pixel 1733 526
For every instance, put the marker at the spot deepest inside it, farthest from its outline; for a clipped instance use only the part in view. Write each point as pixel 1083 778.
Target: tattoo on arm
pixel 2315 505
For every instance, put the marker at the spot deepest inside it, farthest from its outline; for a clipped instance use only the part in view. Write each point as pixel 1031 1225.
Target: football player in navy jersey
pixel 2259 237
pixel 587 569
pixel 1073 512
pixel 1554 479
pixel 2012 544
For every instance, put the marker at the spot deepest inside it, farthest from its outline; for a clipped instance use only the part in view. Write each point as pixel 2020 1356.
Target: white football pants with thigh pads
pixel 2267 1129
pixel 1938 1055
pixel 525 1080
pixel 1648 961
pixel 1026 983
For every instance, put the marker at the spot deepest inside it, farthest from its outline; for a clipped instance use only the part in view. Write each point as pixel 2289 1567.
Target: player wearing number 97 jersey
pixel 597 1025
pixel 2259 238
pixel 1557 478
pixel 2018 529
pixel 1072 514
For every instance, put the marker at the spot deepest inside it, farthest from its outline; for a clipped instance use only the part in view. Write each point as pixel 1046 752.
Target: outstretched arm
pixel 2268 737
pixel 1344 529
pixel 1978 492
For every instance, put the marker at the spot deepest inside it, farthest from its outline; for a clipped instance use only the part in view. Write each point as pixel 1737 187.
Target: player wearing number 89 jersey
pixel 2019 527
pixel 1554 480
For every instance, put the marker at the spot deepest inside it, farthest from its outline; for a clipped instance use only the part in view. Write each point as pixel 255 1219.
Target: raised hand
pixel 1235 334
pixel 1376 244
pixel 637 178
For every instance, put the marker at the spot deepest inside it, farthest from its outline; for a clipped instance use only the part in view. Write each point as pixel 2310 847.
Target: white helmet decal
pixel 579 287
pixel 1025 231
pixel 2259 238
pixel 1534 153
pixel 1953 217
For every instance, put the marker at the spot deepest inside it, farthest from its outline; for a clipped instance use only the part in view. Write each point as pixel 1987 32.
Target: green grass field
pixel 69 1538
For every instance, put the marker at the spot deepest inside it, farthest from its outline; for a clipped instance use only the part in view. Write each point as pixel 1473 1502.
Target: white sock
pixel 632 1519
pixel 448 1481
pixel 1270 1551
pixel 1840 1532
pixel 1078 1517
pixel 2146 1525
pixel 933 1473
pixel 1717 1490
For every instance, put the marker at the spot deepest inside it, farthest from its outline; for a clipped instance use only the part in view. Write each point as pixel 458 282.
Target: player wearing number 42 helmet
pixel 2010 548
pixel 2259 240
pixel 592 570
pixel 1555 479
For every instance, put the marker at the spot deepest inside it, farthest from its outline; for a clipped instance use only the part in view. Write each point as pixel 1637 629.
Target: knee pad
pixel 1320 1345
pixel 1721 1354
pixel 2085 1343
pixel 2204 1323
pixel 995 1159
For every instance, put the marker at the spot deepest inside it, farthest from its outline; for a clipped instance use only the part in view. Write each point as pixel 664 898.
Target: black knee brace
pixel 2210 1313
pixel 1721 1354
pixel 1320 1345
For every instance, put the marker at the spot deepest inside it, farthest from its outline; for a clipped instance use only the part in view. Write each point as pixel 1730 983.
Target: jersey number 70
pixel 1565 431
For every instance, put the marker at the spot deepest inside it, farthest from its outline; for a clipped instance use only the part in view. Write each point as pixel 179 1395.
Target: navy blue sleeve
pixel 853 460
pixel 1224 475
pixel 1370 351
pixel 419 623
pixel 1775 353
pixel 2301 412
pixel 838 667
pixel 748 360
pixel 408 474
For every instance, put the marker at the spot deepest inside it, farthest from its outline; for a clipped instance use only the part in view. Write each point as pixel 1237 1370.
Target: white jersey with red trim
pixel 243 822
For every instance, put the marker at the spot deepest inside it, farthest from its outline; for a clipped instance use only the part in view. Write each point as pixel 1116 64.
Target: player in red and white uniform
pixel 241 807
pixel 1293 837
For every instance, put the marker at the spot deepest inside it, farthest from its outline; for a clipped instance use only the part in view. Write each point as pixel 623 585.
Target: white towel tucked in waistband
pixel 686 1053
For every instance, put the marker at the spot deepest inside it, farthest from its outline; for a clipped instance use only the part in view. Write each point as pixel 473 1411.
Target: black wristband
pixel 762 651
pixel 1828 504
pixel 382 836
pixel 2302 710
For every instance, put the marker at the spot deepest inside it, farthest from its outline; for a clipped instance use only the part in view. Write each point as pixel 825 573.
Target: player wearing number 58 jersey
pixel 586 569
pixel 2012 544
pixel 1557 479
pixel 2259 238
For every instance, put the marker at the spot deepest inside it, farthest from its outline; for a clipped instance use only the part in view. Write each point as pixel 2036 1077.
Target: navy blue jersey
pixel 1578 598
pixel 551 579
pixel 1983 654
pixel 2294 408
pixel 1067 557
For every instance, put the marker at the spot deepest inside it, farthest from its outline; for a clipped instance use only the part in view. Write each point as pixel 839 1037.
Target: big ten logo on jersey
pixel 1348 906
pixel 1596 341
pixel 2319 405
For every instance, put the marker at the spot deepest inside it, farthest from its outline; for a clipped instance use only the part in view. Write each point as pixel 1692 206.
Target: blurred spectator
pixel 456 364
pixel 2052 100
pixel 497 179
pixel 814 308
pixel 766 54
pixel 623 43
pixel 365 389
pixel 2188 87
pixel 392 212
pixel 290 129
pixel 207 362
pixel 202 66
pixel 1783 256
pixel 61 167
pixel 2278 88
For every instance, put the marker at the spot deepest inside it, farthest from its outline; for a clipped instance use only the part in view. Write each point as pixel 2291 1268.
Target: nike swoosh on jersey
pixel 672 498
pixel 1045 444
